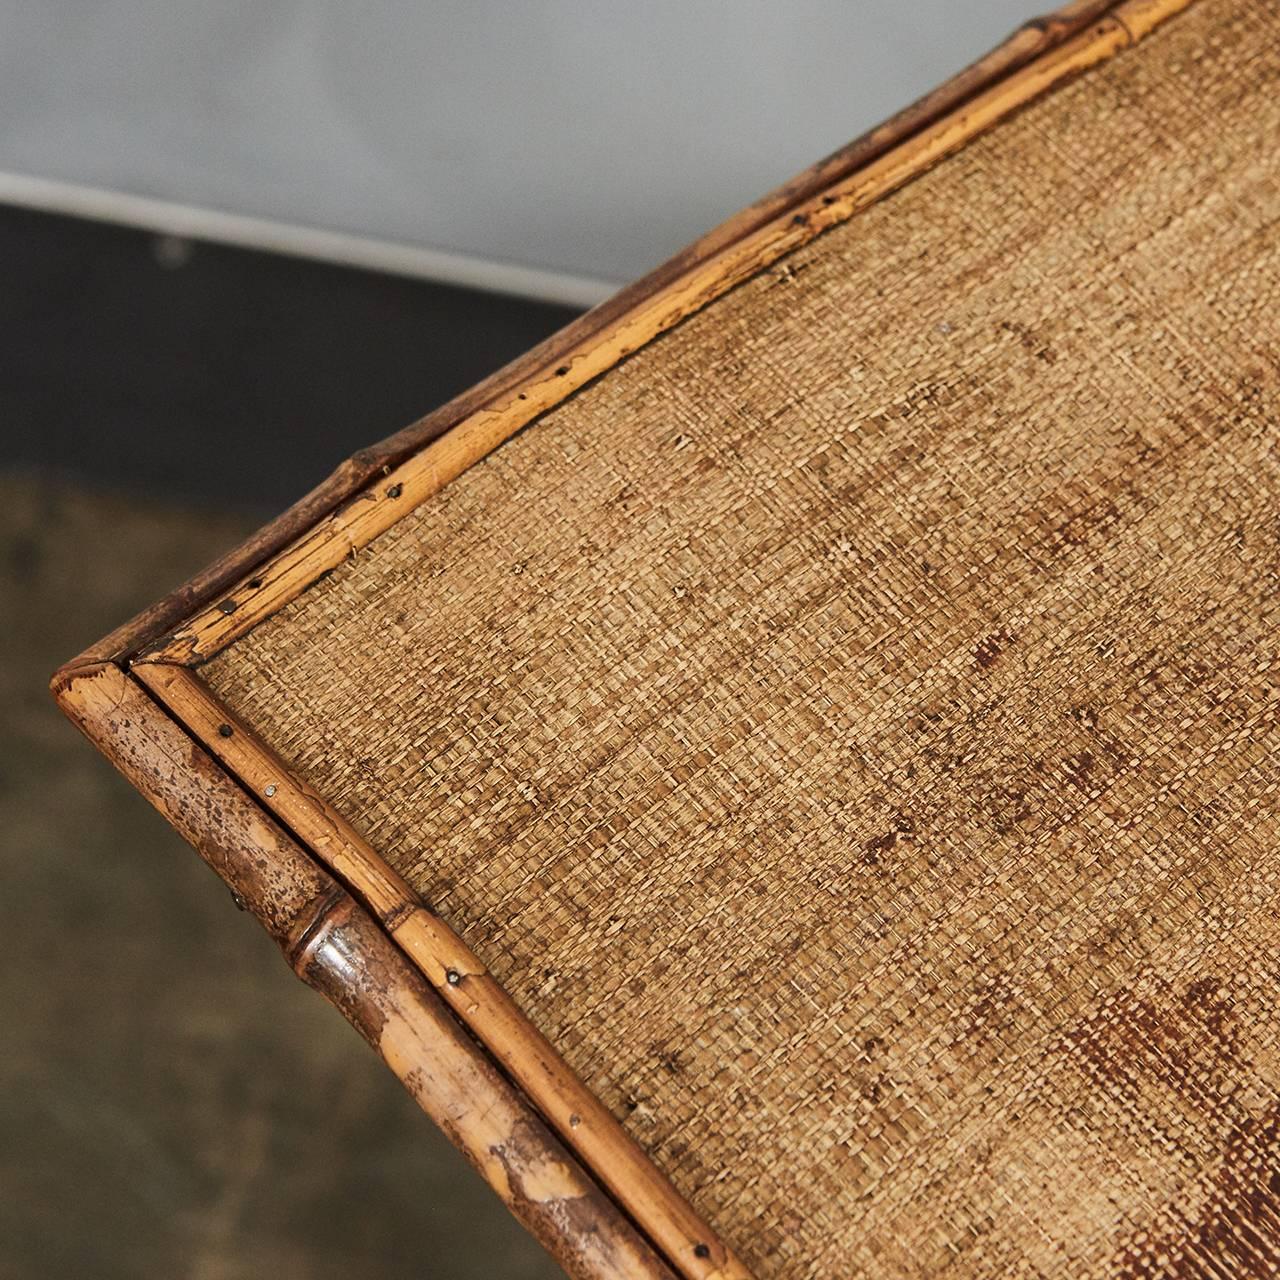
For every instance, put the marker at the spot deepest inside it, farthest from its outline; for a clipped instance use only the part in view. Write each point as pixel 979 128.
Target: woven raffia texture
pixel 850 728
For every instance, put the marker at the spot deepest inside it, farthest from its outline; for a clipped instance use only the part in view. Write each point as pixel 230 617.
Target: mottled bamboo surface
pixel 171 1102
pixel 850 728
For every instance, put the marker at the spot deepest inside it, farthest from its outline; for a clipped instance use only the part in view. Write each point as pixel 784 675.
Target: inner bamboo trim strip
pixel 335 946
pixel 581 1121
pixel 1028 42
pixel 286 575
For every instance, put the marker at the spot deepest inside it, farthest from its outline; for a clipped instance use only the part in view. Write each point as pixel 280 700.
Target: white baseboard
pixel 190 222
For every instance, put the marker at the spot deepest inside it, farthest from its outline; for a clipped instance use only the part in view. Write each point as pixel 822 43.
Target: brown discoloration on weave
pixel 655 778
pixel 1183 1042
pixel 1236 1229
pixel 991 647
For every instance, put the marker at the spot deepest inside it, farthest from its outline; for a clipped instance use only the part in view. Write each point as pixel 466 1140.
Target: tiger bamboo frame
pixel 333 945
pixel 583 1123
pixel 352 475
pixel 282 578
pixel 364 498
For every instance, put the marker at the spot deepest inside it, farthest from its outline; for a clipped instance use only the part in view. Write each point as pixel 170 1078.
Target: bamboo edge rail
pixel 323 548
pixel 585 1125
pixel 1026 43
pixel 334 946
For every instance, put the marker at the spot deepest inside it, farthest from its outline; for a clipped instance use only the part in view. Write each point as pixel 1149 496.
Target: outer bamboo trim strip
pixel 1028 42
pixel 335 947
pixel 323 548
pixel 401 1018
pixel 582 1121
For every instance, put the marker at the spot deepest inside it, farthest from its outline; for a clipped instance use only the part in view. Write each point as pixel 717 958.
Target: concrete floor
pixel 173 1102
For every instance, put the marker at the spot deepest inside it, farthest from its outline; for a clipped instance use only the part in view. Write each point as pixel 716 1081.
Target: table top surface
pixel 847 728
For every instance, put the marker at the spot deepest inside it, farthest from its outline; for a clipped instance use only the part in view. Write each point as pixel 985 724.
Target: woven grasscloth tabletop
pixel 850 727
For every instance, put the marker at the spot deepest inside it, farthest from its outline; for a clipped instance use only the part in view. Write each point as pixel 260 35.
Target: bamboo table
pixel 815 789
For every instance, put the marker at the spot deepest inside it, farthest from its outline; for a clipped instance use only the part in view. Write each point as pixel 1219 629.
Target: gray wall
pixel 593 138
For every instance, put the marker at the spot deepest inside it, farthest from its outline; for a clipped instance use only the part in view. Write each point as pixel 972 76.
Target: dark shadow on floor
pixel 181 369
pixel 173 1102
